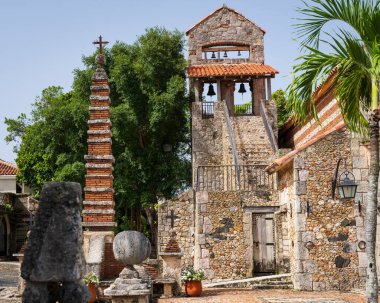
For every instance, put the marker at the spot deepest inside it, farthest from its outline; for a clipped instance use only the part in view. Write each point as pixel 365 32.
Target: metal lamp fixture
pixel 346 183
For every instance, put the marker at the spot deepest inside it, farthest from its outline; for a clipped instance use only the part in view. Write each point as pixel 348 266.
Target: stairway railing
pixel 231 136
pixel 268 127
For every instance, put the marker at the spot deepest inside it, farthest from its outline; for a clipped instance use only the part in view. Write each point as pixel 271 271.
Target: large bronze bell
pixel 211 91
pixel 242 89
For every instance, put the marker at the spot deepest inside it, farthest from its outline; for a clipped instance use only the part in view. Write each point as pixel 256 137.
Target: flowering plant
pixel 190 274
pixel 91 278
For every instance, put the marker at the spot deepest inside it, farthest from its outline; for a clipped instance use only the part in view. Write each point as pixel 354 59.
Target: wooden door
pixel 263 243
pixel 3 237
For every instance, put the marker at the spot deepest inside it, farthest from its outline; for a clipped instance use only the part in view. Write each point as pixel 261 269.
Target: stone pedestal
pixel 130 247
pixel 129 287
pixel 171 268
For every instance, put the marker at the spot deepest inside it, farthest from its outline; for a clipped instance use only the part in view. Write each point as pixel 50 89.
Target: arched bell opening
pixel 209 96
pixel 243 99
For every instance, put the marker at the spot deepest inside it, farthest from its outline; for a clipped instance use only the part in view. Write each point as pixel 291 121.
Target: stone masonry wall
pixel 223 27
pixel 184 208
pixel 211 145
pixel 223 235
pixel 324 232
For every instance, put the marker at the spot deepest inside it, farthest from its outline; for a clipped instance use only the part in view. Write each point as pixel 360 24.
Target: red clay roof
pixel 213 70
pixel 280 162
pixel 7 168
pixel 223 6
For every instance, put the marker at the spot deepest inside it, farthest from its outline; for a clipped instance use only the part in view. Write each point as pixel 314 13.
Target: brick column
pixel 99 213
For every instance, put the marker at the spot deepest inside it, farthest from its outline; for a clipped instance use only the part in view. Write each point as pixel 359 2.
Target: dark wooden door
pixel 264 260
pixel 3 237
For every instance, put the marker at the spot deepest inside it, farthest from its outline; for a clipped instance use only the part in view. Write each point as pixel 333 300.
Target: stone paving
pixel 231 295
pixel 9 272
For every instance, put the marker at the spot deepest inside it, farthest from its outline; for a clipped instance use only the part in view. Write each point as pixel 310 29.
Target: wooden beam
pixel 228 49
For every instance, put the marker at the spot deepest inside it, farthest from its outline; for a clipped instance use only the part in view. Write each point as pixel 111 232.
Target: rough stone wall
pixel 223 238
pixel 184 208
pixel 224 27
pixel 324 239
pixel 211 145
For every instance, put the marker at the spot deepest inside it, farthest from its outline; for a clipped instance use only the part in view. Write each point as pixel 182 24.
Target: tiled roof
pixel 7 168
pixel 212 70
pixel 280 162
pixel 223 6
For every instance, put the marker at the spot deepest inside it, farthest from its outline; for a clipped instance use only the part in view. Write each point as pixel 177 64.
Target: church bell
pixel 211 91
pixel 242 89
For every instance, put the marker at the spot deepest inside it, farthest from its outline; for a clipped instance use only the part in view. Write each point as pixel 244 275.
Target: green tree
pixel 355 59
pixel 283 111
pixel 149 109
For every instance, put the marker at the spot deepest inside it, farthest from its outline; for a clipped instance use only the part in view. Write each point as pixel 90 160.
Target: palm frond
pixel 352 12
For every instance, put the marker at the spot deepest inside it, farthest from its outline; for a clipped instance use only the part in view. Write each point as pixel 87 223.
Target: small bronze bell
pixel 242 89
pixel 225 54
pixel 213 55
pixel 211 91
pixel 239 53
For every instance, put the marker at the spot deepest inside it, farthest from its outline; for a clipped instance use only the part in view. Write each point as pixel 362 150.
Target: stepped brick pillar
pixel 99 213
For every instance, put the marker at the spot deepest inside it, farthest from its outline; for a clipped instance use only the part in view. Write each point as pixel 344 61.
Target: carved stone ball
pixel 131 247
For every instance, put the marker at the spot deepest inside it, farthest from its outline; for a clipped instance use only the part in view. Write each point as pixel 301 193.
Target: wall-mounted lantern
pixel 346 183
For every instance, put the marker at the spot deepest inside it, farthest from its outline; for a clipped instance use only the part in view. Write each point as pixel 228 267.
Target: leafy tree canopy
pixel 283 110
pixel 149 109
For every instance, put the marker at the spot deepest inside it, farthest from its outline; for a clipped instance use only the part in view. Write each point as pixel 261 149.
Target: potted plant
pixel 91 280
pixel 193 281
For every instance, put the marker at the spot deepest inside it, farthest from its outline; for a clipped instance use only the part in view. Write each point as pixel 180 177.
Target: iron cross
pixel 100 42
pixel 172 218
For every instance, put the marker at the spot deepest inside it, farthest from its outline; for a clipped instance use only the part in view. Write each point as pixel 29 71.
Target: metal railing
pixel 268 128
pixel 243 109
pixel 227 178
pixel 207 109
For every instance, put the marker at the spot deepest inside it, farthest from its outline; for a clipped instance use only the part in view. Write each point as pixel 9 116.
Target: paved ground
pixel 268 296
pixel 9 272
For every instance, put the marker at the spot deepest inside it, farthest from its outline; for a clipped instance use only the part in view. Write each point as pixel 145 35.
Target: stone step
pixel 278 286
pixel 247 283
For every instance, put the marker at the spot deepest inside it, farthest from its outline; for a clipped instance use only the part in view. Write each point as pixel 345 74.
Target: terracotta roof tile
pixel 212 70
pixel 7 168
pixel 280 162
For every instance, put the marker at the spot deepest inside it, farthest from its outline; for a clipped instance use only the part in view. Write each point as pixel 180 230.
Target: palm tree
pixel 354 57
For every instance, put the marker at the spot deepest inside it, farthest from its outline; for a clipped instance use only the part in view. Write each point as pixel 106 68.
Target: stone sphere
pixel 131 247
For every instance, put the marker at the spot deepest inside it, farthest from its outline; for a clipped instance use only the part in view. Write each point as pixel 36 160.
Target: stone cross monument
pixel 98 213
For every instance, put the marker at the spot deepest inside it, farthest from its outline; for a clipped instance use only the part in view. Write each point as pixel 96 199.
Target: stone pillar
pixel 269 89
pixel 98 213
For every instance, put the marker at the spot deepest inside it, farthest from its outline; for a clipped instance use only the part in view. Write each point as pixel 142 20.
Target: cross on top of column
pixel 100 42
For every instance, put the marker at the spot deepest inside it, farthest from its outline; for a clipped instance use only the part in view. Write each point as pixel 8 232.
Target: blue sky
pixel 42 41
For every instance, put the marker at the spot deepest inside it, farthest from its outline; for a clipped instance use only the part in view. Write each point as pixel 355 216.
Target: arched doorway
pixel 3 237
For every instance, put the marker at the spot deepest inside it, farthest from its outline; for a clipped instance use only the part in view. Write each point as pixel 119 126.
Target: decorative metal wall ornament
pixel 309 208
pixel 362 245
pixel 309 245
pixel 346 183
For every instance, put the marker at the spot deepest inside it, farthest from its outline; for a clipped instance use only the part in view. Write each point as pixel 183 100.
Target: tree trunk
pixel 151 215
pixel 371 212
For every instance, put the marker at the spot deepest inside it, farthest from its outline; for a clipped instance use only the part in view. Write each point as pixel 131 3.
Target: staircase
pixel 282 281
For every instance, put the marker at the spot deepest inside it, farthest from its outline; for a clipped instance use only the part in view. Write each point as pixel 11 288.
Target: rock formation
pixel 53 262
